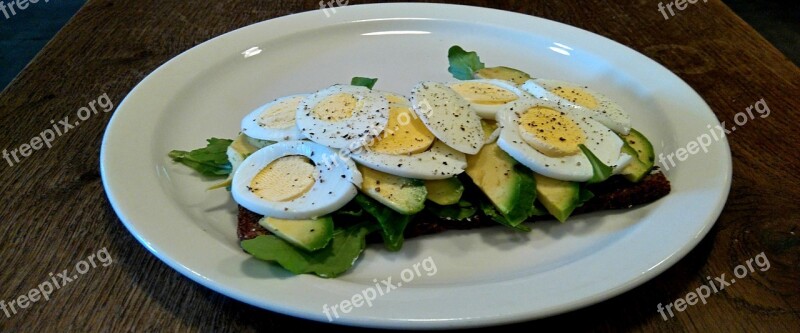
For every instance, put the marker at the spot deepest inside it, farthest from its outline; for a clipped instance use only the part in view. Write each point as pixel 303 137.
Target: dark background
pixel 24 34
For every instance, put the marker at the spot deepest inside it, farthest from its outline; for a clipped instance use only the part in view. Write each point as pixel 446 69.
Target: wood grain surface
pixel 55 213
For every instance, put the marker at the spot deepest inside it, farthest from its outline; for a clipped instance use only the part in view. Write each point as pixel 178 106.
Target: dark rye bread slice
pixel 615 193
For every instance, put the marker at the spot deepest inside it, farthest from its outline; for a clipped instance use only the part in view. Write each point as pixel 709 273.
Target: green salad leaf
pixel 601 171
pixel 538 210
pixel 350 210
pixel 211 161
pixel 459 211
pixel 351 213
pixel 334 259
pixel 463 64
pixel 584 195
pixel 392 223
pixel 363 82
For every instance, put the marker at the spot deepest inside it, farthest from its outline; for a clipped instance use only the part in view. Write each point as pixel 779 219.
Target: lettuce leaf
pixel 601 171
pixel 458 212
pixel 211 161
pixel 584 196
pixel 329 262
pixel 363 82
pixel 392 223
pixel 538 210
pixel 463 64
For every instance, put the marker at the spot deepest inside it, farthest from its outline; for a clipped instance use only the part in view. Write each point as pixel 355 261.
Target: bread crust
pixel 615 193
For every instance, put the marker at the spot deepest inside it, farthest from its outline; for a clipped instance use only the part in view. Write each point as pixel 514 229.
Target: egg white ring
pixel 235 158
pixel 258 143
pixel 486 111
pixel 608 112
pixel 438 109
pixel 336 181
pixel 493 137
pixel 438 162
pixel 250 124
pixel 511 142
pixel 360 128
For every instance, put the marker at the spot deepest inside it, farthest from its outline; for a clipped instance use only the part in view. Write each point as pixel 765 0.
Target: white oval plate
pixel 481 277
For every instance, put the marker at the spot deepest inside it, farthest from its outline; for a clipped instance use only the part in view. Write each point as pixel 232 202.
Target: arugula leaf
pixel 489 210
pixel 584 195
pixel 459 211
pixel 353 213
pixel 392 223
pixel 363 82
pixel 211 161
pixel 334 259
pixel 537 210
pixel 463 64
pixel 601 171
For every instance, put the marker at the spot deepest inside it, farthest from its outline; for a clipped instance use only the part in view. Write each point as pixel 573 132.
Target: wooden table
pixel 55 211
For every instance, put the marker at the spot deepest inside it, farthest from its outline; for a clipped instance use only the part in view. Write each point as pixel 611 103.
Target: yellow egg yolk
pixel 551 132
pixel 280 115
pixel 336 107
pixel 404 134
pixel 576 95
pixel 396 100
pixel 284 179
pixel 484 93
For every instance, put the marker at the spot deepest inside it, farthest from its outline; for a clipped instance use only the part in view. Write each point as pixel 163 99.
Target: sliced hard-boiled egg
pixel 294 174
pixel 404 133
pixel 448 116
pixel 238 150
pixel 487 97
pixel 295 180
pixel 551 132
pixel 439 162
pixel 395 99
pixel 582 102
pixel 274 121
pixel 343 116
pixel 544 136
pixel 491 130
